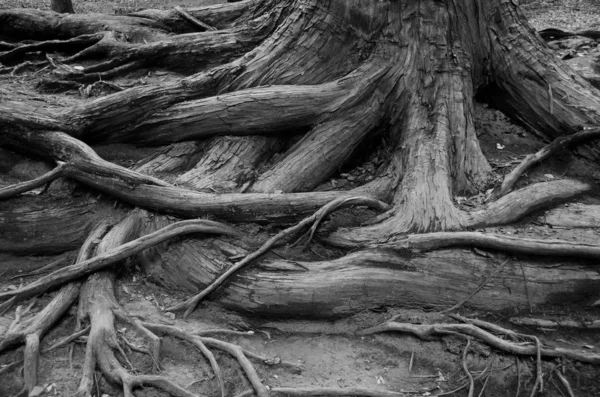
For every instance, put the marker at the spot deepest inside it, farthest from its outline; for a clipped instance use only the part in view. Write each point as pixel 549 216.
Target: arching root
pixel 313 220
pixel 115 255
pixel 558 144
pixel 14 190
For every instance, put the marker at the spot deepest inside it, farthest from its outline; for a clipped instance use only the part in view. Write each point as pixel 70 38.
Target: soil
pixel 330 352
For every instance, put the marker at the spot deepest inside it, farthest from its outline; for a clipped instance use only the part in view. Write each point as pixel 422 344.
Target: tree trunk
pixel 275 101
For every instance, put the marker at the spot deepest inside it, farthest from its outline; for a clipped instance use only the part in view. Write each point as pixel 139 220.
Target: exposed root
pixel 553 324
pixel 429 331
pixel 264 110
pixel 539 379
pixel 79 157
pixel 433 241
pixel 14 190
pixel 558 144
pixel 565 383
pixel 63 342
pixel 466 368
pixel 112 256
pixel 333 140
pixel 201 343
pixel 507 209
pixel 515 205
pixel 191 303
pixel 102 344
pixel 74 44
pixel 33 329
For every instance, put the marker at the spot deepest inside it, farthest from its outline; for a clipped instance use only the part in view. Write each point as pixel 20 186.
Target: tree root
pixel 76 43
pixel 63 342
pixel 110 257
pixel 558 144
pixel 429 331
pixel 79 157
pixel 14 190
pixel 466 368
pixel 433 241
pixel 32 330
pixel 244 112
pixel 100 306
pixel 313 220
pixel 553 324
pixel 507 209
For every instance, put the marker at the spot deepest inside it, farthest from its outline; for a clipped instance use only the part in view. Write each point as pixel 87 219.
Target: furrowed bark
pixel 78 156
pixel 265 110
pixel 47 224
pixel 173 158
pixel 536 88
pixel 373 278
pixel 230 164
pixel 330 143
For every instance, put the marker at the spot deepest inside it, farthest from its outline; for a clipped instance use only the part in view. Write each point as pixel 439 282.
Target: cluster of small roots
pixel 275 98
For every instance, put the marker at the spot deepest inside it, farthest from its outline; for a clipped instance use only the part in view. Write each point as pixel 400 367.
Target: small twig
pixel 539 380
pixel 526 287
pixel 466 368
pixel 4 307
pixel 518 376
pixel 484 385
pixel 565 383
pixel 141 350
pixel 410 364
pixel 193 20
pixel 43 269
pixel 479 288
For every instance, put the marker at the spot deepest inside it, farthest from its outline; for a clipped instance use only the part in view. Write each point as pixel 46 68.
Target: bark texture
pixel 277 97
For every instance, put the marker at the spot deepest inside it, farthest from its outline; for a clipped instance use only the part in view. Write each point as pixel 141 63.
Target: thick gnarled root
pixel 31 330
pixel 99 306
pixel 114 255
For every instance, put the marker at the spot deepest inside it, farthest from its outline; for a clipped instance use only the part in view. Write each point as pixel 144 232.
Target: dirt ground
pixel 329 351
